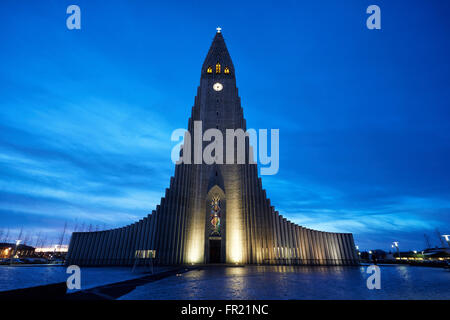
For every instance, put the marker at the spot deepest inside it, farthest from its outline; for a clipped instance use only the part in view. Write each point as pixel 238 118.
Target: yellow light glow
pixel 209 70
pixel 234 230
pixel 227 70
pixel 195 243
pixel 218 67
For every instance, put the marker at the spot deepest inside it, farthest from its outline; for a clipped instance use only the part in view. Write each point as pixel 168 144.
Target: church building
pixel 214 213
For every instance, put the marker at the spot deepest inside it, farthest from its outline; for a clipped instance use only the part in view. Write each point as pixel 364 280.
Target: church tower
pixel 214 212
pixel 215 232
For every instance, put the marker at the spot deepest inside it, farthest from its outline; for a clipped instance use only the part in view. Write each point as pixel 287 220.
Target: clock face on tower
pixel 218 86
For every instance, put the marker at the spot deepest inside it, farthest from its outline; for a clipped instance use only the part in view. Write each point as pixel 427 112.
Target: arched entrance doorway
pixel 215 225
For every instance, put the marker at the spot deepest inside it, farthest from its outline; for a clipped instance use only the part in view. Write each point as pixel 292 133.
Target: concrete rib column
pixel 267 228
pixel 312 255
pixel 177 220
pixel 301 242
pixel 160 232
pixel 116 247
pixel 123 243
pixel 108 247
pixel 126 248
pixel 81 249
pixel 257 224
pixel 246 211
pixel 119 254
pixel 151 230
pixel 92 247
pixel 306 253
pixel 283 241
pixel 262 221
pixel 165 243
pixel 349 248
pixel 251 198
pixel 305 248
pixel 171 206
pixel 98 251
pixel 319 246
pixel 251 218
pixel 300 245
pixel 184 218
pixel 136 234
pixel 175 213
pixel 286 241
pixel 333 255
pixel 86 245
pixel 183 214
pixel 164 229
pixel 178 217
pixel 338 249
pixel 343 250
pixel 157 244
pixel 272 245
pixel 254 219
pixel 148 233
pixel 145 228
pixel 134 237
pixel 327 248
pixel 89 247
pixel 346 251
pixel 137 239
pixel 113 247
pixel 348 257
pixel 155 232
pixel 313 246
pixel 296 244
pixel 291 243
pixel 160 227
pixel 101 247
pixel 265 244
pixel 72 247
pixel 355 253
pixel 275 236
pixel 77 247
pixel 279 237
pixel 127 241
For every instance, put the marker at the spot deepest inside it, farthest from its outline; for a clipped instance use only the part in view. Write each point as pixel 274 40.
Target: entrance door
pixel 214 251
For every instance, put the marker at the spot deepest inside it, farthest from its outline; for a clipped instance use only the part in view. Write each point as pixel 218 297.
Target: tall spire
pixel 218 54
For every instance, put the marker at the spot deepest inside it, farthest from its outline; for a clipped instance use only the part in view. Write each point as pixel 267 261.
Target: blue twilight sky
pixel 364 116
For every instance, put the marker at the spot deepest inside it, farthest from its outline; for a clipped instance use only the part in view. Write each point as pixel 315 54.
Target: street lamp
pixel 395 244
pixel 15 251
pixel 447 238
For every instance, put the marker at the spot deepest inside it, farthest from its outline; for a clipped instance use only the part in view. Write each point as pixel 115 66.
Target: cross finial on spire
pixel 218 29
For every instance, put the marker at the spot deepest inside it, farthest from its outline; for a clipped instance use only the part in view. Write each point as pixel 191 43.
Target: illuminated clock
pixel 218 86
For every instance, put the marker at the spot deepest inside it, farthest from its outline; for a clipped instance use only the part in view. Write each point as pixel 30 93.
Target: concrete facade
pixel 214 212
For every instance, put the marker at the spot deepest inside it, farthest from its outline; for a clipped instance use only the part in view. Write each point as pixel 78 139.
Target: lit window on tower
pixel 218 67
pixel 227 70
pixel 209 70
